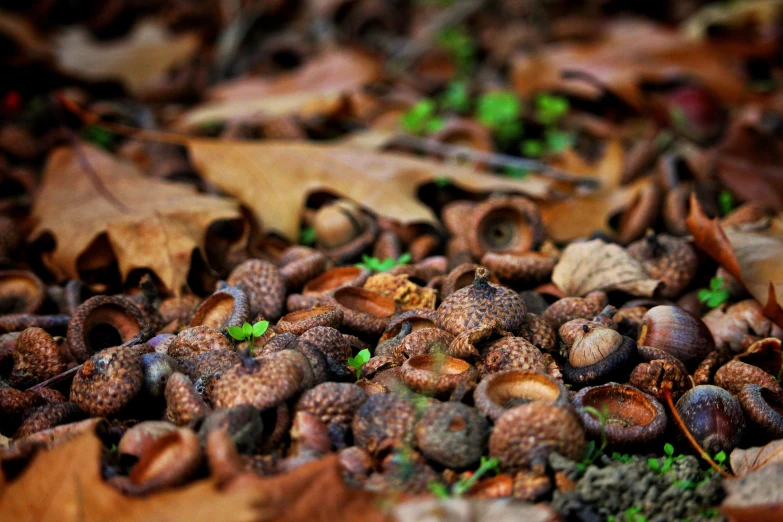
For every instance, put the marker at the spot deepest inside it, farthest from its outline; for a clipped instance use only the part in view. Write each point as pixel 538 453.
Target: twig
pixel 494 159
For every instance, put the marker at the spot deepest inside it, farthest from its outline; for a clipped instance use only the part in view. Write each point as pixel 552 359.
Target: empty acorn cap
pixel 524 437
pixel 364 312
pixel 334 279
pixel 226 307
pixel 763 407
pixel 479 304
pixel 460 277
pixel 507 224
pixel 21 292
pixel 103 321
pixel 633 417
pixel 300 321
pixel 436 374
pixel 419 318
pixel 502 391
pixel 452 434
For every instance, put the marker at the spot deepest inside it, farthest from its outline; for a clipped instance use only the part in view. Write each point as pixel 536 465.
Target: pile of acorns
pixel 468 360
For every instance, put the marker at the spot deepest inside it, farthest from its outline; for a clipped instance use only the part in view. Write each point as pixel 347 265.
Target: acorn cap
pixel 669 259
pixel 452 434
pixel 226 307
pixel 263 285
pixel 419 319
pixel 383 419
pixel 334 279
pixel 502 391
pixel 104 319
pixel 334 346
pixel 21 292
pixel 506 224
pixel 511 353
pixel 108 381
pixel 332 402
pixel 196 340
pixel 480 304
pixel 530 268
pixel 524 437
pixel 461 276
pixel 37 357
pixel 734 375
pixel 568 308
pixel 47 417
pixel 179 310
pixel 599 354
pixel 763 407
pixel 364 312
pixel 651 376
pixel 633 417
pixel 300 321
pixel 436 374
pixel 301 264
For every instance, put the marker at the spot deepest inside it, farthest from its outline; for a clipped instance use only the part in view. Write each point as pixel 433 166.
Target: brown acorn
pixel 335 347
pixel 460 277
pixel 511 353
pixel 13 405
pixel 197 340
pixel 37 357
pixel 539 332
pixel 108 381
pixel 103 321
pixel 183 403
pixel 481 303
pixel 452 434
pixel 383 419
pixel 47 417
pixel 506 224
pixel 568 308
pixel 735 375
pixel 499 392
pixel 524 436
pixel 301 264
pixel 263 285
pixel 598 353
pixel 677 332
pixel 209 367
pixel 671 260
pixel 227 306
pixel 21 292
pixel 335 404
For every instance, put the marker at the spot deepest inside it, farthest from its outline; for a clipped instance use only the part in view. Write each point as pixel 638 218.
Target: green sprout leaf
pixel 516 172
pixel 725 202
pixel 496 109
pixel 720 457
pixel 247 329
pixel 442 182
pixel 716 295
pixel 654 465
pixel 418 119
pixel 438 489
pixel 550 108
pixel 307 236
pixel 360 360
pixel 99 136
pixel 459 44
pixel 260 328
pixel 532 148
pixel 557 141
pixel 668 449
pixel 375 265
pixel 236 332
pixel 456 97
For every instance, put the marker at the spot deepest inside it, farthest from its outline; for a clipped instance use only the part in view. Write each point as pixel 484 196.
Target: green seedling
pixel 461 487
pixel 591 452
pixel 621 457
pixel 459 44
pixel 307 236
pixel 634 514
pixel 661 466
pixel 516 172
pixel 501 111
pixel 422 118
pixel 99 136
pixel 715 295
pixel 442 182
pixel 725 202
pixel 359 361
pixel 374 264
pixel 249 333
pixel 550 109
pixel 456 97
pixel 557 141
pixel 532 148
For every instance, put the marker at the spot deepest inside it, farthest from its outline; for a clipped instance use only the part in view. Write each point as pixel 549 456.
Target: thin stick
pixel 667 393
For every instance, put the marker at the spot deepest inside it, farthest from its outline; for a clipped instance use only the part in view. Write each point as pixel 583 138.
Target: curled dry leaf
pixel 273 179
pixel 743 461
pixel 65 485
pixel 138 60
pixel 596 265
pixel 317 88
pixel 756 497
pixel 627 54
pixel 146 223
pixel 752 255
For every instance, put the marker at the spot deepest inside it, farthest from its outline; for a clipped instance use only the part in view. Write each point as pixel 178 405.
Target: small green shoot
pixel 591 452
pixel 249 333
pixel 307 236
pixel 634 514
pixel 422 118
pixel 501 111
pixel 459 44
pixel 621 457
pixel 459 488
pixel 557 141
pixel 550 109
pixel 99 136
pixel 516 172
pixel 716 295
pixel 725 202
pixel 661 466
pixel 709 513
pixel 456 97
pixel 442 182
pixel 532 148
pixel 359 361
pixel 374 264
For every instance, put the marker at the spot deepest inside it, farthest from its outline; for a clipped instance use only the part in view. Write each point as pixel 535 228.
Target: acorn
pixel 502 391
pixel 460 277
pixel 713 416
pixel 418 319
pixel 13 405
pixel 524 437
pixel 157 368
pixel 511 353
pixel 481 303
pixel 568 308
pixel 383 419
pixel 598 353
pixel 263 285
pixel 335 404
pixel 505 224
pixel 539 332
pixel 452 434
pixel 671 260
pixel 192 342
pixel 633 417
pixel 37 357
pixel 677 332
pixel 47 417
pixel 209 367
pixel 183 403
pixel 227 306
pixel 108 381
pixel 734 375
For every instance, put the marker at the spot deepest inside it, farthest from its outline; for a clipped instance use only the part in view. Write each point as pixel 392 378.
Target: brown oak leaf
pixel 743 461
pixel 140 222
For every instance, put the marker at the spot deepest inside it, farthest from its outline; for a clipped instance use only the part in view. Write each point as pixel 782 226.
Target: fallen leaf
pixel 756 497
pixel 750 255
pixel 273 179
pixel 317 88
pixel 65 485
pixel 596 265
pixel 471 510
pixel 580 215
pixel 743 461
pixel 153 224
pixel 138 60
pixel 627 54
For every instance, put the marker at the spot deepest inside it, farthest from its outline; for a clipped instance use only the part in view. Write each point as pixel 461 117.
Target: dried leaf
pixel 743 461
pixel 752 256
pixel 596 265
pixel 138 61
pixel 274 178
pixel 317 88
pixel 65 485
pixel 581 215
pixel 628 53
pixel 471 510
pixel 156 226
pixel 756 497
